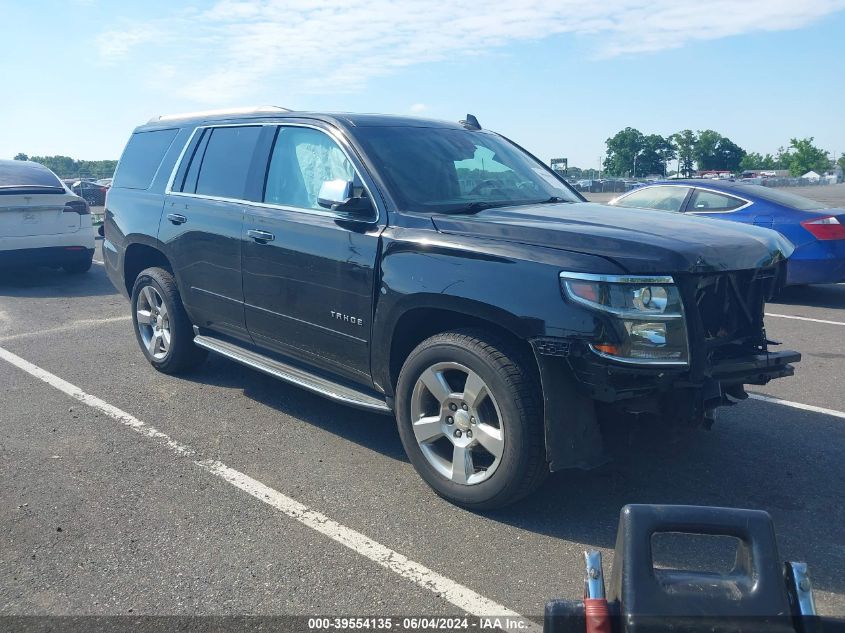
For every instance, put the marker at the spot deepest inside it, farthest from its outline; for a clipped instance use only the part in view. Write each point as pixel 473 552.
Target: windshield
pixel 443 170
pixel 791 200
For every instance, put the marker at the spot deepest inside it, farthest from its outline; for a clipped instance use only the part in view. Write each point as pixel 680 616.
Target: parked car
pixel 817 233
pixel 94 193
pixel 42 223
pixel 440 273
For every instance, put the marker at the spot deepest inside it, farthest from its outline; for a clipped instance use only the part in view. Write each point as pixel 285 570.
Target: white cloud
pixel 418 107
pixel 237 47
pixel 115 45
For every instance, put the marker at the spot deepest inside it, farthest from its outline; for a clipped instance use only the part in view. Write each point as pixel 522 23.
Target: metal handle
pixel 260 236
pixel 177 218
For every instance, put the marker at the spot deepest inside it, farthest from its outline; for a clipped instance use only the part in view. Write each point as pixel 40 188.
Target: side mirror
pixel 338 195
pixel 334 193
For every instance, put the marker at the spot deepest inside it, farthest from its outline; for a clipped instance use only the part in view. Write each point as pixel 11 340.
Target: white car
pixel 42 223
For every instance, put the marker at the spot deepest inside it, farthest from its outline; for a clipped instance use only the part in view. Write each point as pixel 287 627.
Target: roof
pixel 344 119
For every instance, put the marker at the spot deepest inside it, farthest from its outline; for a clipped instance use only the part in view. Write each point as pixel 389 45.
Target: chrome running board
pixel 294 375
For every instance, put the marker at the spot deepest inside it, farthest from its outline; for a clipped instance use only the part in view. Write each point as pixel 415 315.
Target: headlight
pixel 648 315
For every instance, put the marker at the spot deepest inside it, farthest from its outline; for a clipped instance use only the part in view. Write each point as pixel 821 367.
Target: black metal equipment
pixel 758 594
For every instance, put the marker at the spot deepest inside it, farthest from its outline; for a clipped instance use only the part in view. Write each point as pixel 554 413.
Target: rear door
pixel 309 275
pixel 201 226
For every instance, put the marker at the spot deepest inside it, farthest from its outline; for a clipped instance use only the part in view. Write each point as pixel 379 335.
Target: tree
pixel 807 157
pixel 841 163
pixel 656 153
pixel 684 142
pixel 67 167
pixel 622 150
pixel 21 156
pixel 717 152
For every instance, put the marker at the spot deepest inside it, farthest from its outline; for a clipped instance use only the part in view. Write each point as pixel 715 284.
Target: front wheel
pixel 469 416
pixel 162 326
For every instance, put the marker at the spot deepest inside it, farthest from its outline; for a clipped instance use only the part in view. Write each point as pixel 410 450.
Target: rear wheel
pixel 162 327
pixel 469 416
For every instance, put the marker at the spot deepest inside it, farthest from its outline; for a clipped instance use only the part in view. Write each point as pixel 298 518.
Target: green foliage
pixel 656 153
pixel 717 152
pixel 841 163
pixel 630 153
pixel 807 157
pixel 621 150
pixel 66 167
pixel 684 143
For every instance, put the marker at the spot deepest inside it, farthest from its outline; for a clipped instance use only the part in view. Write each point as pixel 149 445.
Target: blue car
pixel 818 234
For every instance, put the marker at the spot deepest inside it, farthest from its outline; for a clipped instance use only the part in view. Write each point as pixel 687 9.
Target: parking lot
pixel 227 492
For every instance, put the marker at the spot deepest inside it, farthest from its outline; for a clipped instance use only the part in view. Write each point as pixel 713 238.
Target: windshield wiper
pixel 553 200
pixel 474 207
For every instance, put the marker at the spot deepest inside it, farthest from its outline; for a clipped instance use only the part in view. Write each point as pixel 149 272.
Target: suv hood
pixel 639 240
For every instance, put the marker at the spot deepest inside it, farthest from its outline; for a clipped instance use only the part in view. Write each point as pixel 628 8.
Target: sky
pixel 557 76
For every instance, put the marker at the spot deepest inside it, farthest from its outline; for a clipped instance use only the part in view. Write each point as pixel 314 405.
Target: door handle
pixel 176 218
pixel 260 236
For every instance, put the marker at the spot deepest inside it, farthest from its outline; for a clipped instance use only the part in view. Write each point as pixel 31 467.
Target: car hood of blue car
pixel 654 242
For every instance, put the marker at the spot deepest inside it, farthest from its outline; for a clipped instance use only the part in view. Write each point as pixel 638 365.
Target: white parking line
pixel 798 318
pixel 97 261
pixel 462 597
pixel 65 328
pixel 798 405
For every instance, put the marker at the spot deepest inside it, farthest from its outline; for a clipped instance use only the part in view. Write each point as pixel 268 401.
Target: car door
pixel 202 222
pixel 309 273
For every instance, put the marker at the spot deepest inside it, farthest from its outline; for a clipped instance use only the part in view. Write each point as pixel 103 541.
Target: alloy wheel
pixel 153 322
pixel 457 423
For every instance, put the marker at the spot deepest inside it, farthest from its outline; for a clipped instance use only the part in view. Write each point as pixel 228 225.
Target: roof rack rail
pixel 221 112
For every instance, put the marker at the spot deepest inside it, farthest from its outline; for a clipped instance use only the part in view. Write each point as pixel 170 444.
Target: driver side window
pixel 302 160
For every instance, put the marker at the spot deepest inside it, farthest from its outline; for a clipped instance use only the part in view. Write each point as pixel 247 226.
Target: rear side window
pixel 711 201
pixel 142 157
pixel 223 166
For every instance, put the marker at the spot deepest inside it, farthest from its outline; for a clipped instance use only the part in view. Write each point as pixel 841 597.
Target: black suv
pixel 439 272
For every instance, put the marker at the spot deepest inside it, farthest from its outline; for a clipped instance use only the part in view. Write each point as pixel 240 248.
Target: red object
pixel 826 228
pixel 597 615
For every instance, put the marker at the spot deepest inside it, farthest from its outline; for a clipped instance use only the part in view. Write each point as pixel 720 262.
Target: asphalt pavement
pixel 223 492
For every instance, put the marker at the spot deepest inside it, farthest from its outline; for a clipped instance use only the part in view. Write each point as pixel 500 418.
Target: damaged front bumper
pixel 577 384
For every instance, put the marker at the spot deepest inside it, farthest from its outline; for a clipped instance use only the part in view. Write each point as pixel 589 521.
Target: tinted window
pixel 660 198
pixel 189 182
pixel 791 200
pixel 225 164
pixel 711 201
pixel 21 174
pixel 141 158
pixel 302 160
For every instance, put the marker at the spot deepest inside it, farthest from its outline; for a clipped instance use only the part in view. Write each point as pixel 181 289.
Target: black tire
pixel 508 372
pixel 182 355
pixel 78 267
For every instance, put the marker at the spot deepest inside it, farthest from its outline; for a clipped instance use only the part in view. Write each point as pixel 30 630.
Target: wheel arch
pixel 139 256
pixel 427 318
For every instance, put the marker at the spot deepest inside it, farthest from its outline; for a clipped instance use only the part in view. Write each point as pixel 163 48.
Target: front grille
pixel 725 311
